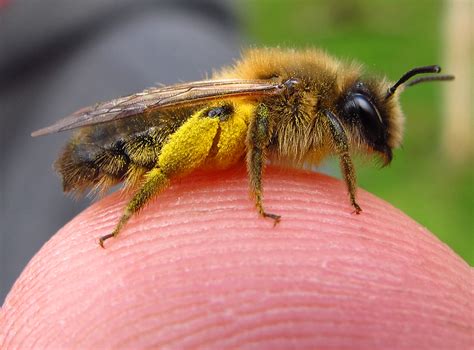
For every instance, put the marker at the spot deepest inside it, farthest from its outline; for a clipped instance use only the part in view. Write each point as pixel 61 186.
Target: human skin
pixel 198 268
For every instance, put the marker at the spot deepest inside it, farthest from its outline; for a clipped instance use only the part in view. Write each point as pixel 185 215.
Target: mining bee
pixel 282 105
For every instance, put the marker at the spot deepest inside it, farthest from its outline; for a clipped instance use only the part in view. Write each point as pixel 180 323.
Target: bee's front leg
pixel 342 148
pixel 258 139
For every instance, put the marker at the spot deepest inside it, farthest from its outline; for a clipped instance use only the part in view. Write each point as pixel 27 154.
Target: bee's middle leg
pixel 257 141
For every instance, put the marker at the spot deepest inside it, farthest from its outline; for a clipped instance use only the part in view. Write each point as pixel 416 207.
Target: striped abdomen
pixel 103 155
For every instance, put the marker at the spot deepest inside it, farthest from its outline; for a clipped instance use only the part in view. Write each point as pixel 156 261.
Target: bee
pixel 281 105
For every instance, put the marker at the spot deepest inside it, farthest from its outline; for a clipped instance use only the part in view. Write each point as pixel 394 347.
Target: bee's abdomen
pixel 85 165
pixel 103 155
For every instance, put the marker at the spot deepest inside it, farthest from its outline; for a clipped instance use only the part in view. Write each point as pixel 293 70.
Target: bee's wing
pixel 162 97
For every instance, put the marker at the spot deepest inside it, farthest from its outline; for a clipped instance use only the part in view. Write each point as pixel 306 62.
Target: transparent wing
pixel 162 97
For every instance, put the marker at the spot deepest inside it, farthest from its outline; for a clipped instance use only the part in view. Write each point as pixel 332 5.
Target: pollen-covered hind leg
pixel 342 147
pixel 185 150
pixel 258 139
pixel 155 182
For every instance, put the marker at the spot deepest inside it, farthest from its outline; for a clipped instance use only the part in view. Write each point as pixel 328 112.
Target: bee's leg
pixel 257 141
pixel 342 148
pixel 185 150
pixel 155 182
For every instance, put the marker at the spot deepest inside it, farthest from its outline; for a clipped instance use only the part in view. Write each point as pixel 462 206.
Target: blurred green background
pixel 389 37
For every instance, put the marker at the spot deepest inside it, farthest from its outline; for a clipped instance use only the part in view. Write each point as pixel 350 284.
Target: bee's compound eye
pixel 359 107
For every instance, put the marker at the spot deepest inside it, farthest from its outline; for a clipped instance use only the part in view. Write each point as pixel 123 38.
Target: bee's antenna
pixel 431 78
pixel 411 73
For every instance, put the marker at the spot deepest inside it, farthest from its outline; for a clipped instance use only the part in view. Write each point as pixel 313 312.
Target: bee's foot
pixel 104 238
pixel 276 218
pixel 358 209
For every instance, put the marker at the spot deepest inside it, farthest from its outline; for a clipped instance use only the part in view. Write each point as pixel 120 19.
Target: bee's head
pixel 373 109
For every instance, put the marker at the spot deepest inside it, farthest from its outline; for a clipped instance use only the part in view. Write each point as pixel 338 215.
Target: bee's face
pixel 365 111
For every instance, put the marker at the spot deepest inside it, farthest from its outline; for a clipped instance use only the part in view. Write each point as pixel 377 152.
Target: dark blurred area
pixel 60 55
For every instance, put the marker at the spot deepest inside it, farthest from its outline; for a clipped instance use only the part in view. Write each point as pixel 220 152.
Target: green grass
pixel 388 37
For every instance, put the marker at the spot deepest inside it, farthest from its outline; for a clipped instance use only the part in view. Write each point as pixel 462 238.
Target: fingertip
pixel 199 268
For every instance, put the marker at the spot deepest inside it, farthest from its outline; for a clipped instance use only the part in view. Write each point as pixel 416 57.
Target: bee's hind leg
pixel 185 150
pixel 342 148
pixel 155 182
pixel 257 141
